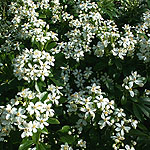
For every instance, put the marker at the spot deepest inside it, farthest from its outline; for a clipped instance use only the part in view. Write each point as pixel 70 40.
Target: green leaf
pixel 148 2
pixel 59 60
pixel 67 138
pixel 144 35
pixel 64 129
pixel 137 112
pixel 42 16
pixel 6 86
pixel 63 100
pixel 137 132
pixel 110 85
pixel 42 146
pixel 147 108
pixel 35 137
pixel 44 130
pixel 144 110
pixel 38 44
pixel 49 46
pixel 37 87
pixel 123 100
pixel 142 127
pixel 43 96
pixel 40 85
pixel 25 144
pixel 145 100
pixel 15 137
pixel 53 121
pixel 48 147
pixel 134 99
pixel 57 78
pixel 118 64
pixel 100 66
pixel 58 82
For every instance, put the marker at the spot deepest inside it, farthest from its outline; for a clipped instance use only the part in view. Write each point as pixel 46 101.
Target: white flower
pixel 101 102
pixel 147 92
pixel 94 88
pixel 10 112
pixel 54 98
pixel 119 112
pixel 44 65
pixel 66 147
pixel 129 88
pixel 20 113
pixel 36 55
pixel 134 123
pixel 87 72
pixel 51 88
pixel 77 73
pixel 120 127
pixel 120 52
pixel 26 128
pixel 23 93
pixel 42 121
pixel 85 100
pixel 105 121
pixel 118 137
pixel 80 123
pixel 31 95
pixel 51 60
pixel 82 143
pixel 34 108
pixel 127 147
pixel 43 73
pixel 33 126
pixel 72 107
pixel 49 111
pixel 89 110
pixel 137 79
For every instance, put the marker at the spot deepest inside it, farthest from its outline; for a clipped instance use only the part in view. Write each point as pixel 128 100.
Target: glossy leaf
pixel 53 121
pixel 67 138
pixel 137 112
pixel 25 144
pixel 65 129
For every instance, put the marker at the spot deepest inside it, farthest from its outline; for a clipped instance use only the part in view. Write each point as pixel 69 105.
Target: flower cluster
pixel 143 38
pixel 91 103
pixel 33 64
pixel 81 77
pixel 126 43
pixel 131 81
pixel 28 112
pixel 72 58
pixel 26 22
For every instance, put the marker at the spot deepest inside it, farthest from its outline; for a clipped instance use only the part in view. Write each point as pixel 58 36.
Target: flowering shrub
pixel 74 74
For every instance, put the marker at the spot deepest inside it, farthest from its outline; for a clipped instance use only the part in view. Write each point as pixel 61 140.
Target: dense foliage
pixel 74 74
